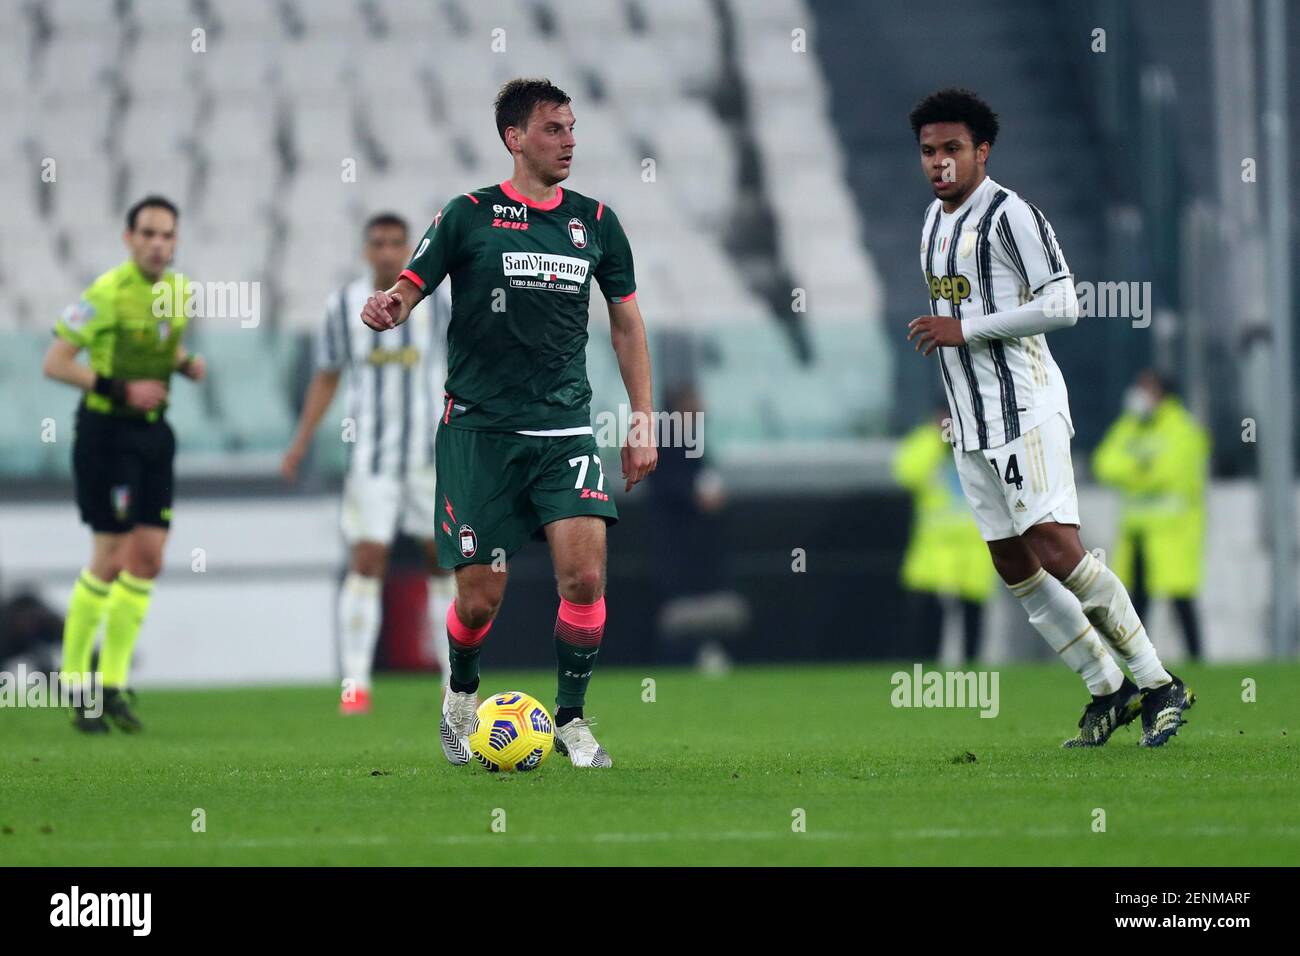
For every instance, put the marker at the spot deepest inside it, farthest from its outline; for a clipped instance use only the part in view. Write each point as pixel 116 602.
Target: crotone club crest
pixel 468 541
pixel 578 233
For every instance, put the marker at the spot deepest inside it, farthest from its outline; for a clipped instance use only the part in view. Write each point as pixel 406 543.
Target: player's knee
pixel 1010 571
pixel 582 585
pixel 1013 561
pixel 144 563
pixel 107 561
pixel 477 609
pixel 1056 556
pixel 108 566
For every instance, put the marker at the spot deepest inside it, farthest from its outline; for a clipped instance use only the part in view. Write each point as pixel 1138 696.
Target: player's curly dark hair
pixel 518 98
pixel 957 106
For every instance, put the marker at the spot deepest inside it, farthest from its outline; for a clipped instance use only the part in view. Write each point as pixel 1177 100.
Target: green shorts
pixel 496 490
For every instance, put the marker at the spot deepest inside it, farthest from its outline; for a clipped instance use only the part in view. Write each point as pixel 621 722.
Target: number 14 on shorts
pixel 1011 476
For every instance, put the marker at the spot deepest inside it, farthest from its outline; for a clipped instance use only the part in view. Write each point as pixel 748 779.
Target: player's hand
pixel 145 395
pixel 932 331
pixel 197 369
pixel 639 455
pixel 293 457
pixel 382 311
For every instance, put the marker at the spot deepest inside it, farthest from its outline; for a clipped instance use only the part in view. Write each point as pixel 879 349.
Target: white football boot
pixel 575 741
pixel 459 712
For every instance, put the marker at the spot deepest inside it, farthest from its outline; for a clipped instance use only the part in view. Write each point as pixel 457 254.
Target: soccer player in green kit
pixel 123 451
pixel 515 453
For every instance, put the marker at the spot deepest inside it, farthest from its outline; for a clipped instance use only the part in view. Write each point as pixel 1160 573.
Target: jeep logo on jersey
pixel 510 212
pixel 468 541
pixel 578 233
pixel 953 288
pixel 540 270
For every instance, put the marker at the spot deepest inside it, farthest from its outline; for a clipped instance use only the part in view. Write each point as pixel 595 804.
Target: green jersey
pixel 520 289
pixel 116 321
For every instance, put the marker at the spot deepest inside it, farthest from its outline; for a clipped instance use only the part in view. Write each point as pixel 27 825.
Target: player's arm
pixel 331 358
pixel 320 394
pixel 617 277
pixel 1055 306
pixel 437 254
pixel 1022 240
pixel 627 333
pixel 389 308
pixel 71 334
pixel 61 364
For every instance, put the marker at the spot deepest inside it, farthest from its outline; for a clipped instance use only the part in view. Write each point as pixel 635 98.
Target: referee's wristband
pixel 114 388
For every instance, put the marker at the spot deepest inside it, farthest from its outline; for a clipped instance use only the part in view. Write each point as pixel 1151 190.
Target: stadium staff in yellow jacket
pixel 1158 455
pixel 946 557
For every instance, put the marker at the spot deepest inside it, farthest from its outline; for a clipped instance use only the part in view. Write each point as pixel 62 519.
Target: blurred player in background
pixel 946 562
pixel 994 268
pixel 131 320
pixel 517 457
pixel 701 612
pixel 394 395
pixel 1158 456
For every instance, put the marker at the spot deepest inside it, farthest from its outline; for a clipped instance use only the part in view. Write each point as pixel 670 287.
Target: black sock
pixel 566 714
pixel 460 688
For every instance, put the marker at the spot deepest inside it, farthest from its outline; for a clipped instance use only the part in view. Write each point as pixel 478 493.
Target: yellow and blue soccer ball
pixel 511 731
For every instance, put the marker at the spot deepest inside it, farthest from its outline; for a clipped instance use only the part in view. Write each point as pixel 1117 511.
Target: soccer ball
pixel 511 731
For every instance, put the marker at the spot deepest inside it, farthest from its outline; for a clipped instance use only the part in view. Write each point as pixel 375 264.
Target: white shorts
pixel 373 506
pixel 1023 483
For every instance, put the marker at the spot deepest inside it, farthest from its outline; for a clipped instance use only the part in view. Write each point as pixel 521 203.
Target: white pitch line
pixel 202 841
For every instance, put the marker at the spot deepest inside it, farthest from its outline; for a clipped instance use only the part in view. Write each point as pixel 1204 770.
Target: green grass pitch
pixel 712 772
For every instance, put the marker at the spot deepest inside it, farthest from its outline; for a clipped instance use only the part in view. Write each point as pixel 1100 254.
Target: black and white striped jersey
pixel 994 253
pixel 394 378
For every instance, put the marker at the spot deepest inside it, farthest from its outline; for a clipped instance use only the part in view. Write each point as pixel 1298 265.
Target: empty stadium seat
pixel 249 134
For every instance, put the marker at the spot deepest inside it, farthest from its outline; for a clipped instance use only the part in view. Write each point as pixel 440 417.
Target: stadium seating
pixel 280 127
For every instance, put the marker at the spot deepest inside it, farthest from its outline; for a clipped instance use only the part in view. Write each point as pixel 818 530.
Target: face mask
pixel 1138 401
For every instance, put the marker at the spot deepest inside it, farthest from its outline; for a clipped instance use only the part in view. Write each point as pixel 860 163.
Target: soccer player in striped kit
pixel 997 281
pixel 393 399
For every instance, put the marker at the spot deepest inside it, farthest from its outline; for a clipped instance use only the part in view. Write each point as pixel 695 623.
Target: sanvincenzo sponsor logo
pixel 540 270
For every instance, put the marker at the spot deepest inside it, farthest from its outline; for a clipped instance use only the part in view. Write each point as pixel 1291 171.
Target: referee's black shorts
pixel 122 467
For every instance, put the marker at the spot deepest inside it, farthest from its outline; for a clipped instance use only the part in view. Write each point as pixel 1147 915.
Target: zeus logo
pixel 510 212
pixel 953 288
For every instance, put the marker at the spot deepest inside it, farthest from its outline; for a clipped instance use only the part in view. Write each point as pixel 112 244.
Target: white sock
pixel 1056 614
pixel 442 589
pixel 1106 602
pixel 358 612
